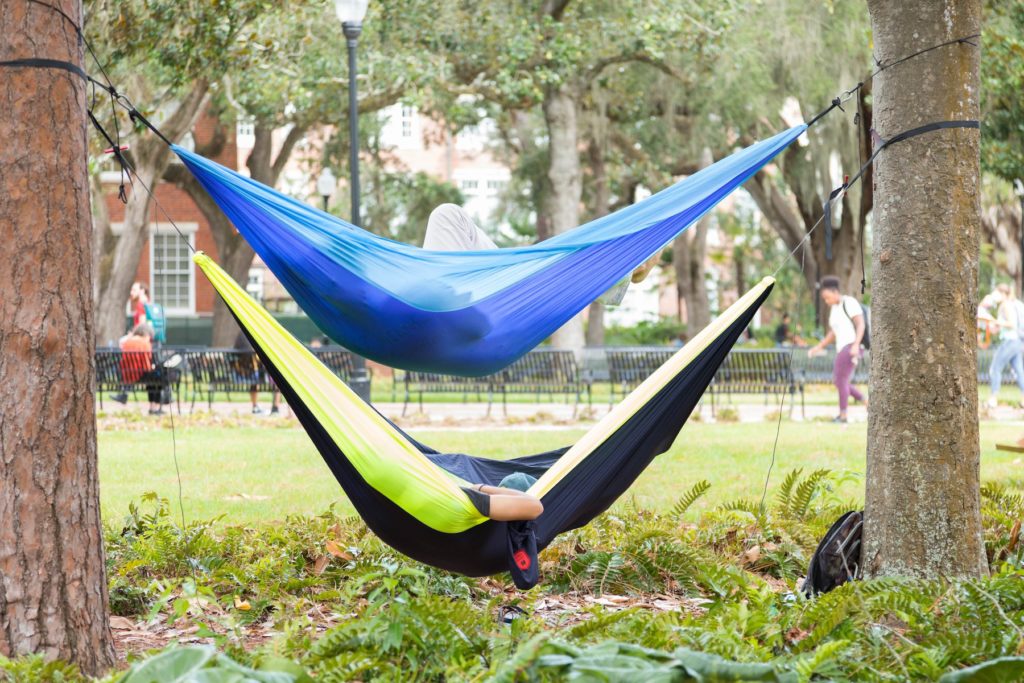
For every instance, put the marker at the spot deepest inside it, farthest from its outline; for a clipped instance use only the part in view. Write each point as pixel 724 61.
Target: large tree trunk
pixel 922 506
pixel 602 197
pixel 563 201
pixel 53 593
pixel 688 252
pixel 150 157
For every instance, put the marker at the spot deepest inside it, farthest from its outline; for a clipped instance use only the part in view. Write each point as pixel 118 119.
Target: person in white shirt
pixel 846 328
pixel 1010 345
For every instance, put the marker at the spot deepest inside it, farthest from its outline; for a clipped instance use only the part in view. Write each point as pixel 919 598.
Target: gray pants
pixel 450 228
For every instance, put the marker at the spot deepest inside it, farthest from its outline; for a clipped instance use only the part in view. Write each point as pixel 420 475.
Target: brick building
pixel 166 263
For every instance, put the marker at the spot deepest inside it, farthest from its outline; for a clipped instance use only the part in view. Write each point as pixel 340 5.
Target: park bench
pixel 544 371
pixel 420 383
pixel 338 359
pixel 985 357
pixel 628 367
pixel 769 372
pixel 539 372
pixel 225 370
pixel 230 370
pixel 818 370
pixel 110 377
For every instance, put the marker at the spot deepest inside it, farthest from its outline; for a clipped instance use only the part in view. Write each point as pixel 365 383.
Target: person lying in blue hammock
pixel 450 228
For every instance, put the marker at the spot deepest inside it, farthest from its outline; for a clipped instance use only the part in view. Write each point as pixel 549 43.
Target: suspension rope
pixel 840 99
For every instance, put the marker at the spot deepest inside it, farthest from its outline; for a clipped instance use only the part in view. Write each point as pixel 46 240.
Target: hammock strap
pixel 847 182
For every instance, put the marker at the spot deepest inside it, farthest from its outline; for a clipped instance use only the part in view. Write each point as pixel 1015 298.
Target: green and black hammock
pixel 415 498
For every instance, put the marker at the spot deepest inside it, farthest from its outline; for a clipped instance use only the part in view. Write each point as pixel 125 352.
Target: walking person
pixel 847 325
pixel 1008 320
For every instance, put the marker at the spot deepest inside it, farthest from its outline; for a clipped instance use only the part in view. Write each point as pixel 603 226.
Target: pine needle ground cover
pixel 702 586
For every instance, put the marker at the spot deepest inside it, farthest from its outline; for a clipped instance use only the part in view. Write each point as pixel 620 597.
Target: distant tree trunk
pixel 688 252
pixel 601 198
pixel 150 157
pixel 103 237
pixel 806 175
pixel 563 201
pixel 1000 225
pixel 53 592
pixel 922 504
pixel 234 254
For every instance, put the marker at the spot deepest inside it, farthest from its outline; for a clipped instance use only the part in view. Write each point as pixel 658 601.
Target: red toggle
pixel 522 559
pixel 110 150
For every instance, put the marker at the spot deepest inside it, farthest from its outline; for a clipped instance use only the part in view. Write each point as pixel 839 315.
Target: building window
pixel 495 185
pixel 407 119
pixel 469 184
pixel 172 272
pixel 255 285
pixel 245 131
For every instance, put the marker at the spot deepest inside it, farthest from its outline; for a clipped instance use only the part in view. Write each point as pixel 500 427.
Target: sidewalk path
pixel 474 416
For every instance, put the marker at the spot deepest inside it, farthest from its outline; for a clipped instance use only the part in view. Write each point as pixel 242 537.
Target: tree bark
pixel 688 251
pixel 601 199
pixel 563 201
pixel 922 504
pixel 53 594
pixel 150 157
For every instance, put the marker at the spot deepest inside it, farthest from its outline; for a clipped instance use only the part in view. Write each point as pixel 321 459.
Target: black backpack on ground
pixel 837 558
pixel 866 339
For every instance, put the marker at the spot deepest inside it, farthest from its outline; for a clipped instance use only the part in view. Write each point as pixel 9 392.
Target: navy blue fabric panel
pixel 604 475
pixel 478 470
pixel 480 551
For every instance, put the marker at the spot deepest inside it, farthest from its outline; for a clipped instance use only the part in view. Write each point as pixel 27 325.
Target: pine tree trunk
pixel 922 506
pixel 563 201
pixel 53 594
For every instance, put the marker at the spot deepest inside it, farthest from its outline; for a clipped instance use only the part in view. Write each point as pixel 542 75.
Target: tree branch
pixel 294 136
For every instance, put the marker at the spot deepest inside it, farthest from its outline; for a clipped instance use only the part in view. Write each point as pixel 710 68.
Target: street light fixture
pixel 325 185
pixel 351 13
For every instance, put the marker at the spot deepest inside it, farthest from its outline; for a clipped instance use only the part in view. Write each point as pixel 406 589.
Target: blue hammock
pixel 464 313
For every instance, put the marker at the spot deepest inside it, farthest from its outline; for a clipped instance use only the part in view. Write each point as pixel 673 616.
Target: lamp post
pixel 325 185
pixel 351 13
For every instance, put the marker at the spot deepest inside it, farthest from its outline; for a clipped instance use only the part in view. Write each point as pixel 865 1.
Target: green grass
pixel 260 473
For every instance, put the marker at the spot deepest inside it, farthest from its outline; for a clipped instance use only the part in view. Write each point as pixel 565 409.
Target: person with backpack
pixel 848 328
pixel 1009 319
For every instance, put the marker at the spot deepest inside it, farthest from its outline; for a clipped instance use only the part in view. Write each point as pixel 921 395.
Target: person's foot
pixel 274 410
pixel 256 410
pixel 839 419
pixel 156 411
pixel 121 398
pixel 173 362
pixel 992 402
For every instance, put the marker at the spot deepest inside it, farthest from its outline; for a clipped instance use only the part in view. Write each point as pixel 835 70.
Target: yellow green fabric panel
pixel 382 456
pixel 621 413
